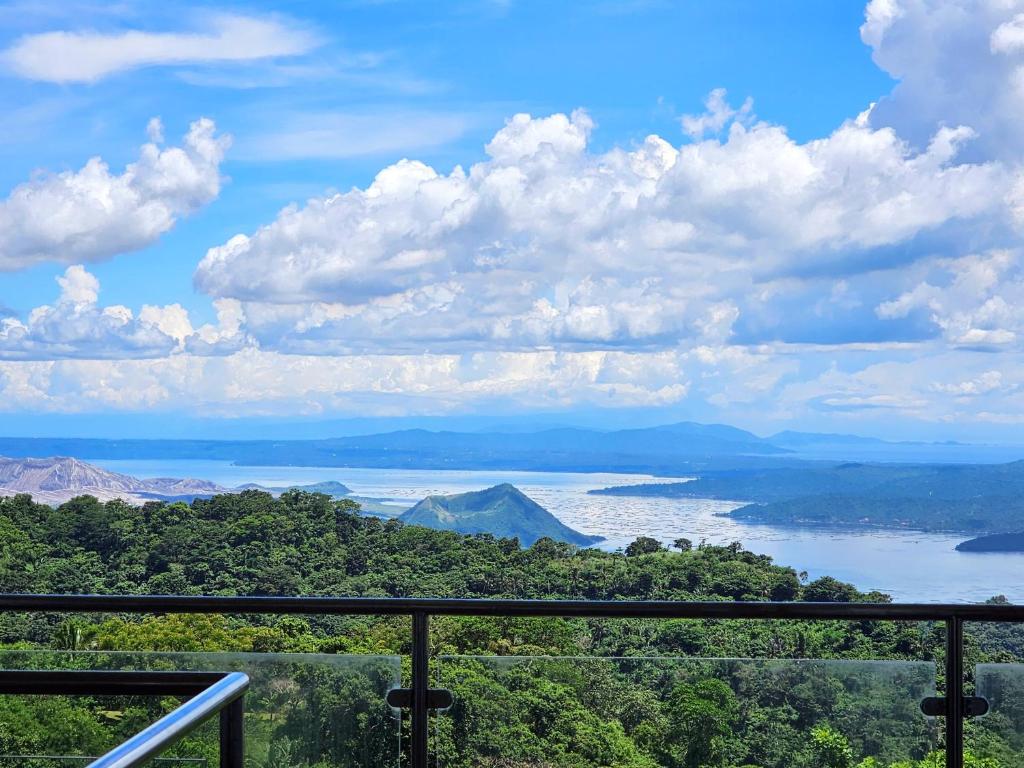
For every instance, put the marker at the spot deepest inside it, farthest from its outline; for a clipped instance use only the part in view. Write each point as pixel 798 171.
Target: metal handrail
pixel 954 706
pixel 410 606
pixel 165 732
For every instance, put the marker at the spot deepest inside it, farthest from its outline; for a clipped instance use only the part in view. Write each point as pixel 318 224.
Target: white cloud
pixel 718 114
pixel 958 62
pixel 253 381
pixel 548 243
pixel 76 326
pixel 82 57
pixel 92 214
pixel 868 274
pixel 976 300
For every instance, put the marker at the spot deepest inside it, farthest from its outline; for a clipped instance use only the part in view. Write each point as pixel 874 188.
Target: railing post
pixel 232 740
pixel 954 692
pixel 420 687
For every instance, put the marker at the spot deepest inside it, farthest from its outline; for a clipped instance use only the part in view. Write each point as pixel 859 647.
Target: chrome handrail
pixel 165 732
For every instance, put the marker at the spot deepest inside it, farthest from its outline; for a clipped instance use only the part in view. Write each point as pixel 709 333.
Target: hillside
pixel 999 542
pixel 973 498
pixel 503 511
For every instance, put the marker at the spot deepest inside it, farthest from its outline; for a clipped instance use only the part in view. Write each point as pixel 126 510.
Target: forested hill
pixel 503 511
pixel 305 543
pixel 561 711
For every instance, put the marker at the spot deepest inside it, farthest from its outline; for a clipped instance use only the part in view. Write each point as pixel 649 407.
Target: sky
pixel 302 219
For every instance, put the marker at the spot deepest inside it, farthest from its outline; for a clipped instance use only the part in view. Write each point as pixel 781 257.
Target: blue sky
pixel 822 233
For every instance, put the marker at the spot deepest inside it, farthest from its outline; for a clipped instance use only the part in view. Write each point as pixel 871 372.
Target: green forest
pixel 528 692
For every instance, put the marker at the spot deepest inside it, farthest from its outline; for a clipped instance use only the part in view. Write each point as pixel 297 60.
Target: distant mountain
pixel 503 510
pixel 665 450
pixel 670 450
pixel 56 479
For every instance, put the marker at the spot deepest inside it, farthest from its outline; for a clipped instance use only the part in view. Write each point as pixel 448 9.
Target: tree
pixel 683 544
pixel 643 545
pixel 831 749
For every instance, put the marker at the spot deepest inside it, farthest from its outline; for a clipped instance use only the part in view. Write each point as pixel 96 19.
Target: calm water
pixel 910 566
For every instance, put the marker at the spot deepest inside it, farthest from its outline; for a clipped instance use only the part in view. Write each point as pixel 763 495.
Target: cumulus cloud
pixel 92 214
pixel 976 300
pixel 84 57
pixel 958 62
pixel 718 114
pixel 548 243
pixel 77 326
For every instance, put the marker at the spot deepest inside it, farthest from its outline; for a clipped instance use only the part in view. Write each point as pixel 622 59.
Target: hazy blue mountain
pixel 879 481
pixel 503 511
pixel 670 450
pixel 666 450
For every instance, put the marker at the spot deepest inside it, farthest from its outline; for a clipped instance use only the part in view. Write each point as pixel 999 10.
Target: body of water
pixel 909 565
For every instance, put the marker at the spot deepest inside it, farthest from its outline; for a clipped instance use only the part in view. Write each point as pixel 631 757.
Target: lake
pixel 910 566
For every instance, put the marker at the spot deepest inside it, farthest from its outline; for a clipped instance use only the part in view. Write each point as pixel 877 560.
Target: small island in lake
pixel 503 511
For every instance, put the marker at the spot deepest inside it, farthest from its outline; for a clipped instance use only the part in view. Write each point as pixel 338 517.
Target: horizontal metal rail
pixel 409 606
pixel 90 682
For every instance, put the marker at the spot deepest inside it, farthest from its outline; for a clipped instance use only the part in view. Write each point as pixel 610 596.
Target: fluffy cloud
pixel 976 300
pixel 92 214
pixel 958 62
pixel 547 243
pixel 68 57
pixel 76 326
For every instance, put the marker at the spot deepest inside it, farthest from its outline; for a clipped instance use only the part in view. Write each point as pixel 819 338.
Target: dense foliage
pixel 639 697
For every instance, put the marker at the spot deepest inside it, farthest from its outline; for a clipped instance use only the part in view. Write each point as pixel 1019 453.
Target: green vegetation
pixel 633 700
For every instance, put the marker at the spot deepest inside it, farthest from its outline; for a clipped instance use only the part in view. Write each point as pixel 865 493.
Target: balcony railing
pixel 420 698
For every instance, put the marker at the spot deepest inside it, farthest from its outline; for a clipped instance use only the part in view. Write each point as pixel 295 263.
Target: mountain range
pixel 669 450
